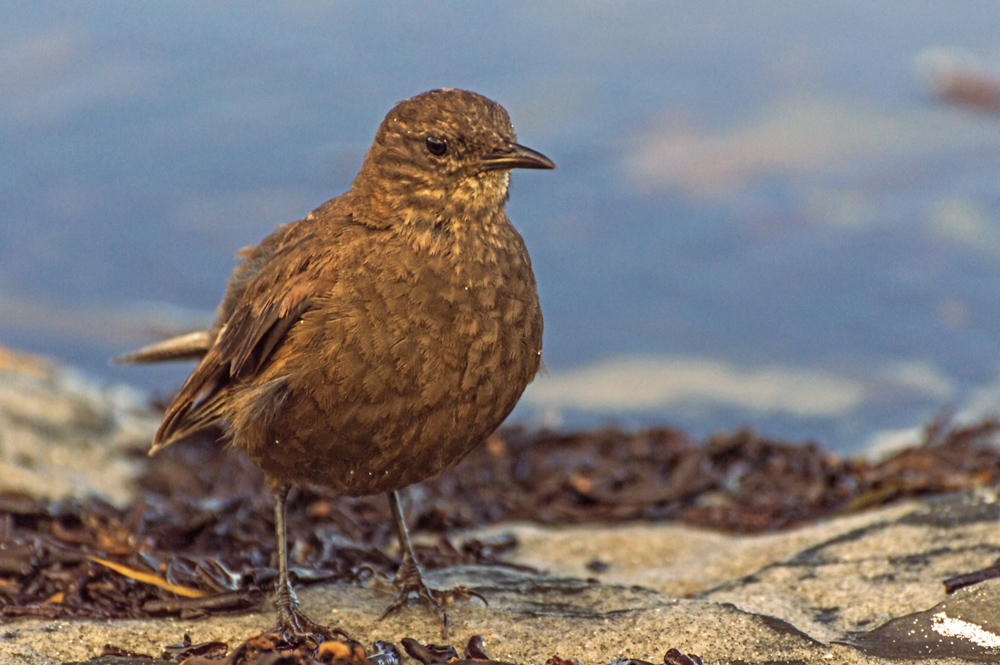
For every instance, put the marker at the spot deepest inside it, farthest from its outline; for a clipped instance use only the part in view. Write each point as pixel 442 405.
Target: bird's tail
pixel 191 346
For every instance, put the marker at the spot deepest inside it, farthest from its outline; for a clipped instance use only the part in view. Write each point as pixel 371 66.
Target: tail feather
pixel 191 346
pixel 197 405
pixel 182 424
pixel 187 413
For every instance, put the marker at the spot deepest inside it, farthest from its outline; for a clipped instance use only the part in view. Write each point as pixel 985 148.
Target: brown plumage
pixel 374 343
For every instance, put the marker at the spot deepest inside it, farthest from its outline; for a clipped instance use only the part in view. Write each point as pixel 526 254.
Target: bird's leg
pixel 409 579
pixel 293 624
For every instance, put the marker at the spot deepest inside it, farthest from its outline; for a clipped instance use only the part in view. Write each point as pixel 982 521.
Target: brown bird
pixel 377 341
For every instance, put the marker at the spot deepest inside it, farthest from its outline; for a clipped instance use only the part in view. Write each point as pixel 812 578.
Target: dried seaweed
pixel 269 649
pixel 202 518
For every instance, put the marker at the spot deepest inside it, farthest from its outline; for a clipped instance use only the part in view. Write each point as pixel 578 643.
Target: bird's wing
pixel 193 346
pixel 263 302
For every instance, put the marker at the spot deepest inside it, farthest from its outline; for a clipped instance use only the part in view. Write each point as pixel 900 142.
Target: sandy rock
pixel 63 435
pixel 863 588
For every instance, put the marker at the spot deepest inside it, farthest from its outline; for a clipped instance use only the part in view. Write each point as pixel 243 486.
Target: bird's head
pixel 440 155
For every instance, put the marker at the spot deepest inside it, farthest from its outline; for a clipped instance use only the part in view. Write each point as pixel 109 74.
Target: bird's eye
pixel 436 146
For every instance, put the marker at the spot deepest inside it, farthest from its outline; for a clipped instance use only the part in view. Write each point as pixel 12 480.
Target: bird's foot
pixel 295 626
pixel 409 581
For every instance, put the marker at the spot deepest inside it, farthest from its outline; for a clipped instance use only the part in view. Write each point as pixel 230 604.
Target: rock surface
pixel 863 588
pixel 62 435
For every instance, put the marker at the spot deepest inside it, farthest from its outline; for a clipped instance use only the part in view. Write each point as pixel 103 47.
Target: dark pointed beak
pixel 515 156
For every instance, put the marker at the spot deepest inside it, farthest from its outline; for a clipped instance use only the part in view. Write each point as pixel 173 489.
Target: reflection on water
pixel 760 216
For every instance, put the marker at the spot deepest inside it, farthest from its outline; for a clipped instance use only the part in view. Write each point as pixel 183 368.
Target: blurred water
pixel 760 215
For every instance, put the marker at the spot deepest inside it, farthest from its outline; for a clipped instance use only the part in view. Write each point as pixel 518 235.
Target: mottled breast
pixel 419 348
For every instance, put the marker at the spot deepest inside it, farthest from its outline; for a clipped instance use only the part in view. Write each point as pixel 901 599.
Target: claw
pixel 295 626
pixel 432 599
pixel 428 597
pixel 457 593
pixel 409 579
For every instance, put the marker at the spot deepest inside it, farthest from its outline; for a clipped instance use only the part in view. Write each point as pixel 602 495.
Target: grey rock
pixel 965 626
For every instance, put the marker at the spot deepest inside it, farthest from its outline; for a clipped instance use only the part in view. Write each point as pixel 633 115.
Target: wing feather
pixel 269 292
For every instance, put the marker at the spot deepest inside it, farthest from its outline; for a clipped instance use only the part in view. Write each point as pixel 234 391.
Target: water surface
pixel 761 216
